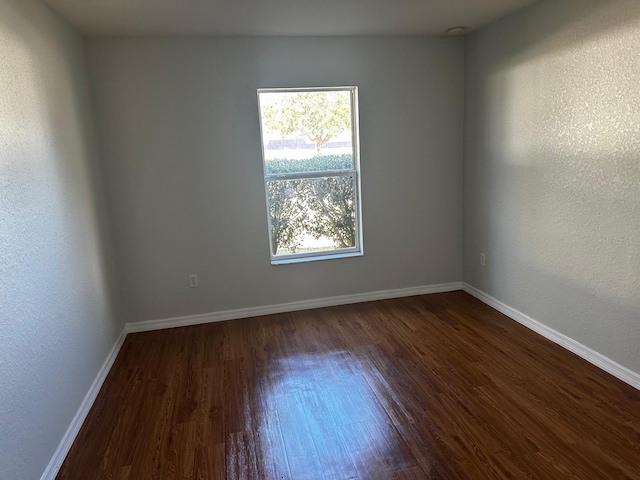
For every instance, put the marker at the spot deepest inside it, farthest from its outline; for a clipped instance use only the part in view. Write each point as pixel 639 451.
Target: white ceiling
pixel 280 17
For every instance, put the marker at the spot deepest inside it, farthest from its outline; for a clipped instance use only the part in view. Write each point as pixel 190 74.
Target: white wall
pixel 180 131
pixel 552 169
pixel 57 319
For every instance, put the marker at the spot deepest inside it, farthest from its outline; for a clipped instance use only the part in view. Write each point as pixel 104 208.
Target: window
pixel 311 172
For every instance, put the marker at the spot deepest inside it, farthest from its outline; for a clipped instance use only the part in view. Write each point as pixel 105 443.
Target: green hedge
pixel 315 164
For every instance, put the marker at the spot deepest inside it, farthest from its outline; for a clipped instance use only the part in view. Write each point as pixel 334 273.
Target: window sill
pixel 314 258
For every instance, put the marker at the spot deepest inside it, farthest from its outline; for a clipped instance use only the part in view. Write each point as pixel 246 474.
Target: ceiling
pixel 280 17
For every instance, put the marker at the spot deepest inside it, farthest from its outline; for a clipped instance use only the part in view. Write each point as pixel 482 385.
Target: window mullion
pixel 297 176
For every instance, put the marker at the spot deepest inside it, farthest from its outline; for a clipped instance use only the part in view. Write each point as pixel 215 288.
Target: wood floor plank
pixel 299 444
pixel 431 387
pixel 333 454
pixel 209 462
pixel 365 454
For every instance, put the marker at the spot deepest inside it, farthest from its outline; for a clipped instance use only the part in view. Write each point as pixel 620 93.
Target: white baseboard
pixel 597 359
pixel 606 364
pixel 288 307
pixel 70 435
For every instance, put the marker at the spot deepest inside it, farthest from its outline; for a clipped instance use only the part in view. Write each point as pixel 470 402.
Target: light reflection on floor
pixel 329 418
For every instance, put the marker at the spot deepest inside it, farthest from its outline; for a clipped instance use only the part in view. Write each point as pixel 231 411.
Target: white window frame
pixel 354 173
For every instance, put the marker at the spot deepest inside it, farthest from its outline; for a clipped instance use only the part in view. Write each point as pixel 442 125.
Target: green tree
pixel 322 207
pixel 319 116
pixel 334 216
pixel 288 213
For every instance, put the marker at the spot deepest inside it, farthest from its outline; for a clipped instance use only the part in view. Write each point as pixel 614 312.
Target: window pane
pixel 312 214
pixel 306 131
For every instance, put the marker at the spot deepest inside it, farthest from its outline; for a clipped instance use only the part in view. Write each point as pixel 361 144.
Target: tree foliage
pixel 288 212
pixel 332 201
pixel 321 207
pixel 320 116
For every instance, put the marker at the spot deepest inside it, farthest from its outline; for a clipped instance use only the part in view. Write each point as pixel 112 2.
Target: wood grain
pixel 430 387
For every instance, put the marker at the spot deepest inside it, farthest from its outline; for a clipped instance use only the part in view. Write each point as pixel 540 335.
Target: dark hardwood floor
pixel 437 386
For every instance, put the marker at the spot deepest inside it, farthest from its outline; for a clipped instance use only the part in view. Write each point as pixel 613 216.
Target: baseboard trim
pixel 626 375
pixel 76 423
pixel 74 428
pixel 597 359
pixel 289 307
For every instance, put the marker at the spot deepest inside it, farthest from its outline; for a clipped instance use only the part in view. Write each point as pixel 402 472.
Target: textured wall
pixel 57 321
pixel 179 120
pixel 552 169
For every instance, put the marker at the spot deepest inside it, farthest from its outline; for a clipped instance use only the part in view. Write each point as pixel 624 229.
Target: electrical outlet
pixel 193 281
pixel 482 259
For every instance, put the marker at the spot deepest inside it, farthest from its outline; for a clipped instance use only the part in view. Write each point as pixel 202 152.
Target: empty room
pixel 304 239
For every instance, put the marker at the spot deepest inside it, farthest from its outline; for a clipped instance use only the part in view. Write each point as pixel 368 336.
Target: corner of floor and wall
pixel 59 317
pixel 519 142
pixel 552 175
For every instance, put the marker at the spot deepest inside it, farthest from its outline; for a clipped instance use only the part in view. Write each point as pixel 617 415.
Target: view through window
pixel 311 172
